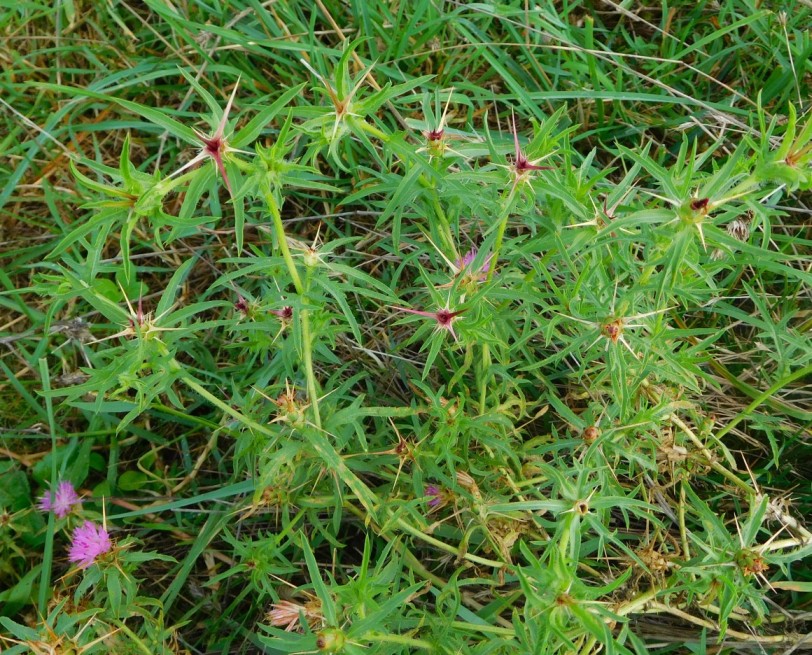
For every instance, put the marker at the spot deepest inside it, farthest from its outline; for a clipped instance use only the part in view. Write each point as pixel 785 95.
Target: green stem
pixel 409 558
pixel 270 201
pixel 307 355
pixel 399 639
pixel 47 560
pixel 486 355
pixel 563 545
pixel 371 129
pixel 448 237
pixel 637 603
pixel 304 315
pixel 406 527
pixel 140 644
pixel 193 384
pixel 683 530
pixel 588 647
pixel 483 378
pixel 485 628
pixel 716 466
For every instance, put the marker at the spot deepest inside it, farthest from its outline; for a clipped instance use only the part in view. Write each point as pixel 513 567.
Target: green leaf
pixel 114 591
pixel 253 128
pixel 168 296
pixel 132 480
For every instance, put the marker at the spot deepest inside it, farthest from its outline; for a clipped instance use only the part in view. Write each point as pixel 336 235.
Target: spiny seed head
pixel 467 482
pixel 590 434
pixel 287 401
pixel 739 229
pixel 750 562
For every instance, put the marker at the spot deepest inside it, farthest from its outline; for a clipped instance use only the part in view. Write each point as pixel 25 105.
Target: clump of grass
pixel 405 328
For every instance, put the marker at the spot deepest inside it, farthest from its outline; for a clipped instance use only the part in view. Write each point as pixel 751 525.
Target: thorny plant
pixel 336 477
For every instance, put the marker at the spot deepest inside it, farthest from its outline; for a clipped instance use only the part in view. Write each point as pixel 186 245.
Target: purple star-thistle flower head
pixel 444 317
pixel 433 493
pixel 215 146
pixel 285 314
pixel 89 542
pixel 62 501
pixel 466 260
pixel 522 166
pixel 436 137
pixel 242 305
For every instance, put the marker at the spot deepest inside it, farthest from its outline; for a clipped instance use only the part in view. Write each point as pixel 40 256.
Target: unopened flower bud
pixel 331 640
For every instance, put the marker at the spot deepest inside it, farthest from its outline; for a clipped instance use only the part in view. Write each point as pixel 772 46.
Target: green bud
pixel 331 640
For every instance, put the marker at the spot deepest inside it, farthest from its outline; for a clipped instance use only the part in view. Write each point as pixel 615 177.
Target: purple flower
pixel 521 164
pixel 444 317
pixel 466 260
pixel 242 305
pixel 285 314
pixel 89 541
pixel 214 146
pixel 432 491
pixel 62 502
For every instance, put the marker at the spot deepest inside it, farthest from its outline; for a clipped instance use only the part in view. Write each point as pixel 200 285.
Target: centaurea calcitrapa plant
pixel 98 594
pixel 394 357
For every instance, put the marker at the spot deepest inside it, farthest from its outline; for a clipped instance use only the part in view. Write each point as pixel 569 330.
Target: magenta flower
pixel 215 146
pixel 62 502
pixel 444 317
pixel 89 542
pixel 242 305
pixel 466 260
pixel 521 163
pixel 285 314
pixel 438 133
pixel 522 166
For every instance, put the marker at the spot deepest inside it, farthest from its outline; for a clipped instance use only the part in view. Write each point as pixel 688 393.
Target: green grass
pixel 606 449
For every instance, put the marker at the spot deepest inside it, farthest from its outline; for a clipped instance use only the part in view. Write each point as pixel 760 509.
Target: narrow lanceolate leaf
pixel 336 464
pixel 84 228
pixel 253 128
pixel 171 289
pixel 155 116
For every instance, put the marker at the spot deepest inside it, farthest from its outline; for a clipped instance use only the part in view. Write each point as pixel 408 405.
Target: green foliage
pixel 404 327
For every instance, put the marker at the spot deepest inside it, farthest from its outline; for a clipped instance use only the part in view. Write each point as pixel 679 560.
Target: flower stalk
pixel 304 314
